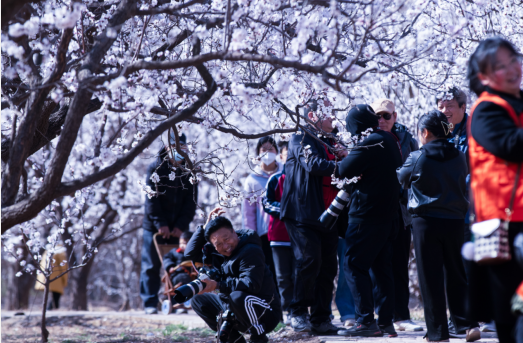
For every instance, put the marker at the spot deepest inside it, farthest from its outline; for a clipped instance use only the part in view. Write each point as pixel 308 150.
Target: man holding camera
pixel 246 286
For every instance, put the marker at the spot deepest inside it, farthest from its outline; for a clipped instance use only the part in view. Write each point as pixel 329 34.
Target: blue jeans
pixel 344 300
pixel 150 273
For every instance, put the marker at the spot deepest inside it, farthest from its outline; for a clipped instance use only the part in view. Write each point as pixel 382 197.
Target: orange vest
pixel 492 178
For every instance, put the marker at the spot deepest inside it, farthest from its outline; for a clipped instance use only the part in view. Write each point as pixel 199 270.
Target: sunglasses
pixel 385 115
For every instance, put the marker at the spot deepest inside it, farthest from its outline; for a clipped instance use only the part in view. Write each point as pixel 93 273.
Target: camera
pixel 227 320
pixel 186 292
pixel 328 218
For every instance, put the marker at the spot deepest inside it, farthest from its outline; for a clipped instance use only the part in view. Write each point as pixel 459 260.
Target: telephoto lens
pixel 227 325
pixel 186 292
pixel 328 218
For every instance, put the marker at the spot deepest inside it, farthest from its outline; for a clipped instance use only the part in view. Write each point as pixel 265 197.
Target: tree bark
pixel 45 333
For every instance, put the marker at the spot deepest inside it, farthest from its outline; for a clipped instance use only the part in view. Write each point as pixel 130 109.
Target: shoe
pixel 259 338
pixel 407 325
pixel 426 339
pixel 473 335
pixel 151 310
pixel 349 323
pixel 388 331
pixel 181 311
pixel 287 320
pixel 301 323
pixel 362 330
pixel 488 327
pixel 325 328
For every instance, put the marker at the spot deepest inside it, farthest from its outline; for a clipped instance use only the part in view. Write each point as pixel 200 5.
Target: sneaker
pixel 488 327
pixel 151 310
pixel 325 328
pixel 388 331
pixel 349 323
pixel 259 338
pixel 287 319
pixel 473 335
pixel 236 337
pixel 407 325
pixel 301 323
pixel 362 330
pixel 181 311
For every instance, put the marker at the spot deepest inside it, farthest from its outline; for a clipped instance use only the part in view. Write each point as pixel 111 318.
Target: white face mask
pixel 268 158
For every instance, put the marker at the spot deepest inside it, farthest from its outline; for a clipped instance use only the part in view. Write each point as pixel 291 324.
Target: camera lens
pixel 186 292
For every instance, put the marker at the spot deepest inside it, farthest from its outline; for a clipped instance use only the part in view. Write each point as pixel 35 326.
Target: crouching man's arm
pixel 251 272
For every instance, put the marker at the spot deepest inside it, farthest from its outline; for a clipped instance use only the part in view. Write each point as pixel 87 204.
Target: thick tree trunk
pixel 79 289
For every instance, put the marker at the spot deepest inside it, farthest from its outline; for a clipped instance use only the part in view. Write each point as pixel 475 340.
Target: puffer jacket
pixel 175 205
pixel 245 270
pixel 436 176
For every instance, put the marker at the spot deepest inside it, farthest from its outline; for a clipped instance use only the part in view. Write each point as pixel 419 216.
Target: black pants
pixel 438 242
pixel 253 314
pixel 267 251
pixel 150 270
pixel 54 303
pixel 316 268
pixel 369 248
pixel 400 272
pixel 284 263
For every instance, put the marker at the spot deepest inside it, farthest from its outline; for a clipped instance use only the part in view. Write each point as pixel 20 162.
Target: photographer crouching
pixel 248 300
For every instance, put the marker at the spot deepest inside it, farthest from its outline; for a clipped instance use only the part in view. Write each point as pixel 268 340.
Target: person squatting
pixel 466 174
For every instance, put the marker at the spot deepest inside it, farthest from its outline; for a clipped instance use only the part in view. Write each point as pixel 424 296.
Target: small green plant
pixel 203 332
pixel 179 338
pixel 126 337
pixel 171 329
pixel 279 327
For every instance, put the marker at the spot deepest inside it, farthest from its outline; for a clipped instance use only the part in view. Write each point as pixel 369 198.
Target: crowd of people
pixel 463 184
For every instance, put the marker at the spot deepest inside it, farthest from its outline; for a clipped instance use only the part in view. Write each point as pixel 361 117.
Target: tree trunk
pixel 45 333
pixel 79 289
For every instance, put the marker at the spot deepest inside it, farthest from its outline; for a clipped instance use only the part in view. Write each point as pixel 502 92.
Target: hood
pixel 360 118
pixel 247 236
pixel 440 150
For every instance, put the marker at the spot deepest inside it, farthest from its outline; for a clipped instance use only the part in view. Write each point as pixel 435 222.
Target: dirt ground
pixel 81 329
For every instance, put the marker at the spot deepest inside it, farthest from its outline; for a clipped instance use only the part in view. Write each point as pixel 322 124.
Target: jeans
pixel 150 272
pixel 252 314
pixel 369 248
pixel 438 242
pixel 344 300
pixel 285 264
pixel 316 267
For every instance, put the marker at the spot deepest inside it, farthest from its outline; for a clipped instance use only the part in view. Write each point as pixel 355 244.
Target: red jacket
pixel 493 178
pixel 271 204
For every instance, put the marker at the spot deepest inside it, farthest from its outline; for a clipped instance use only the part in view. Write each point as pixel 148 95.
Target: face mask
pixel 178 157
pixel 268 158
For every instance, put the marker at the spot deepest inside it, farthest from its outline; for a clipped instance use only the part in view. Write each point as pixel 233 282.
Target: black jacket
pixel 302 198
pixel 374 198
pixel 175 205
pixel 436 176
pixel 245 270
pixel 172 259
pixel 408 144
pixel 494 129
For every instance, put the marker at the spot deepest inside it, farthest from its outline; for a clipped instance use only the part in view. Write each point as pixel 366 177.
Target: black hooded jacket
pixel 175 205
pixel 302 198
pixel 374 198
pixel 436 175
pixel 245 270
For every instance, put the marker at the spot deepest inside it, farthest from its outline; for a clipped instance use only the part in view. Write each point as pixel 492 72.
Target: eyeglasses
pixel 385 115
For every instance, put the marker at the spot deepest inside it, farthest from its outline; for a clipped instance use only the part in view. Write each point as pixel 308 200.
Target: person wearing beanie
pixel 373 222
